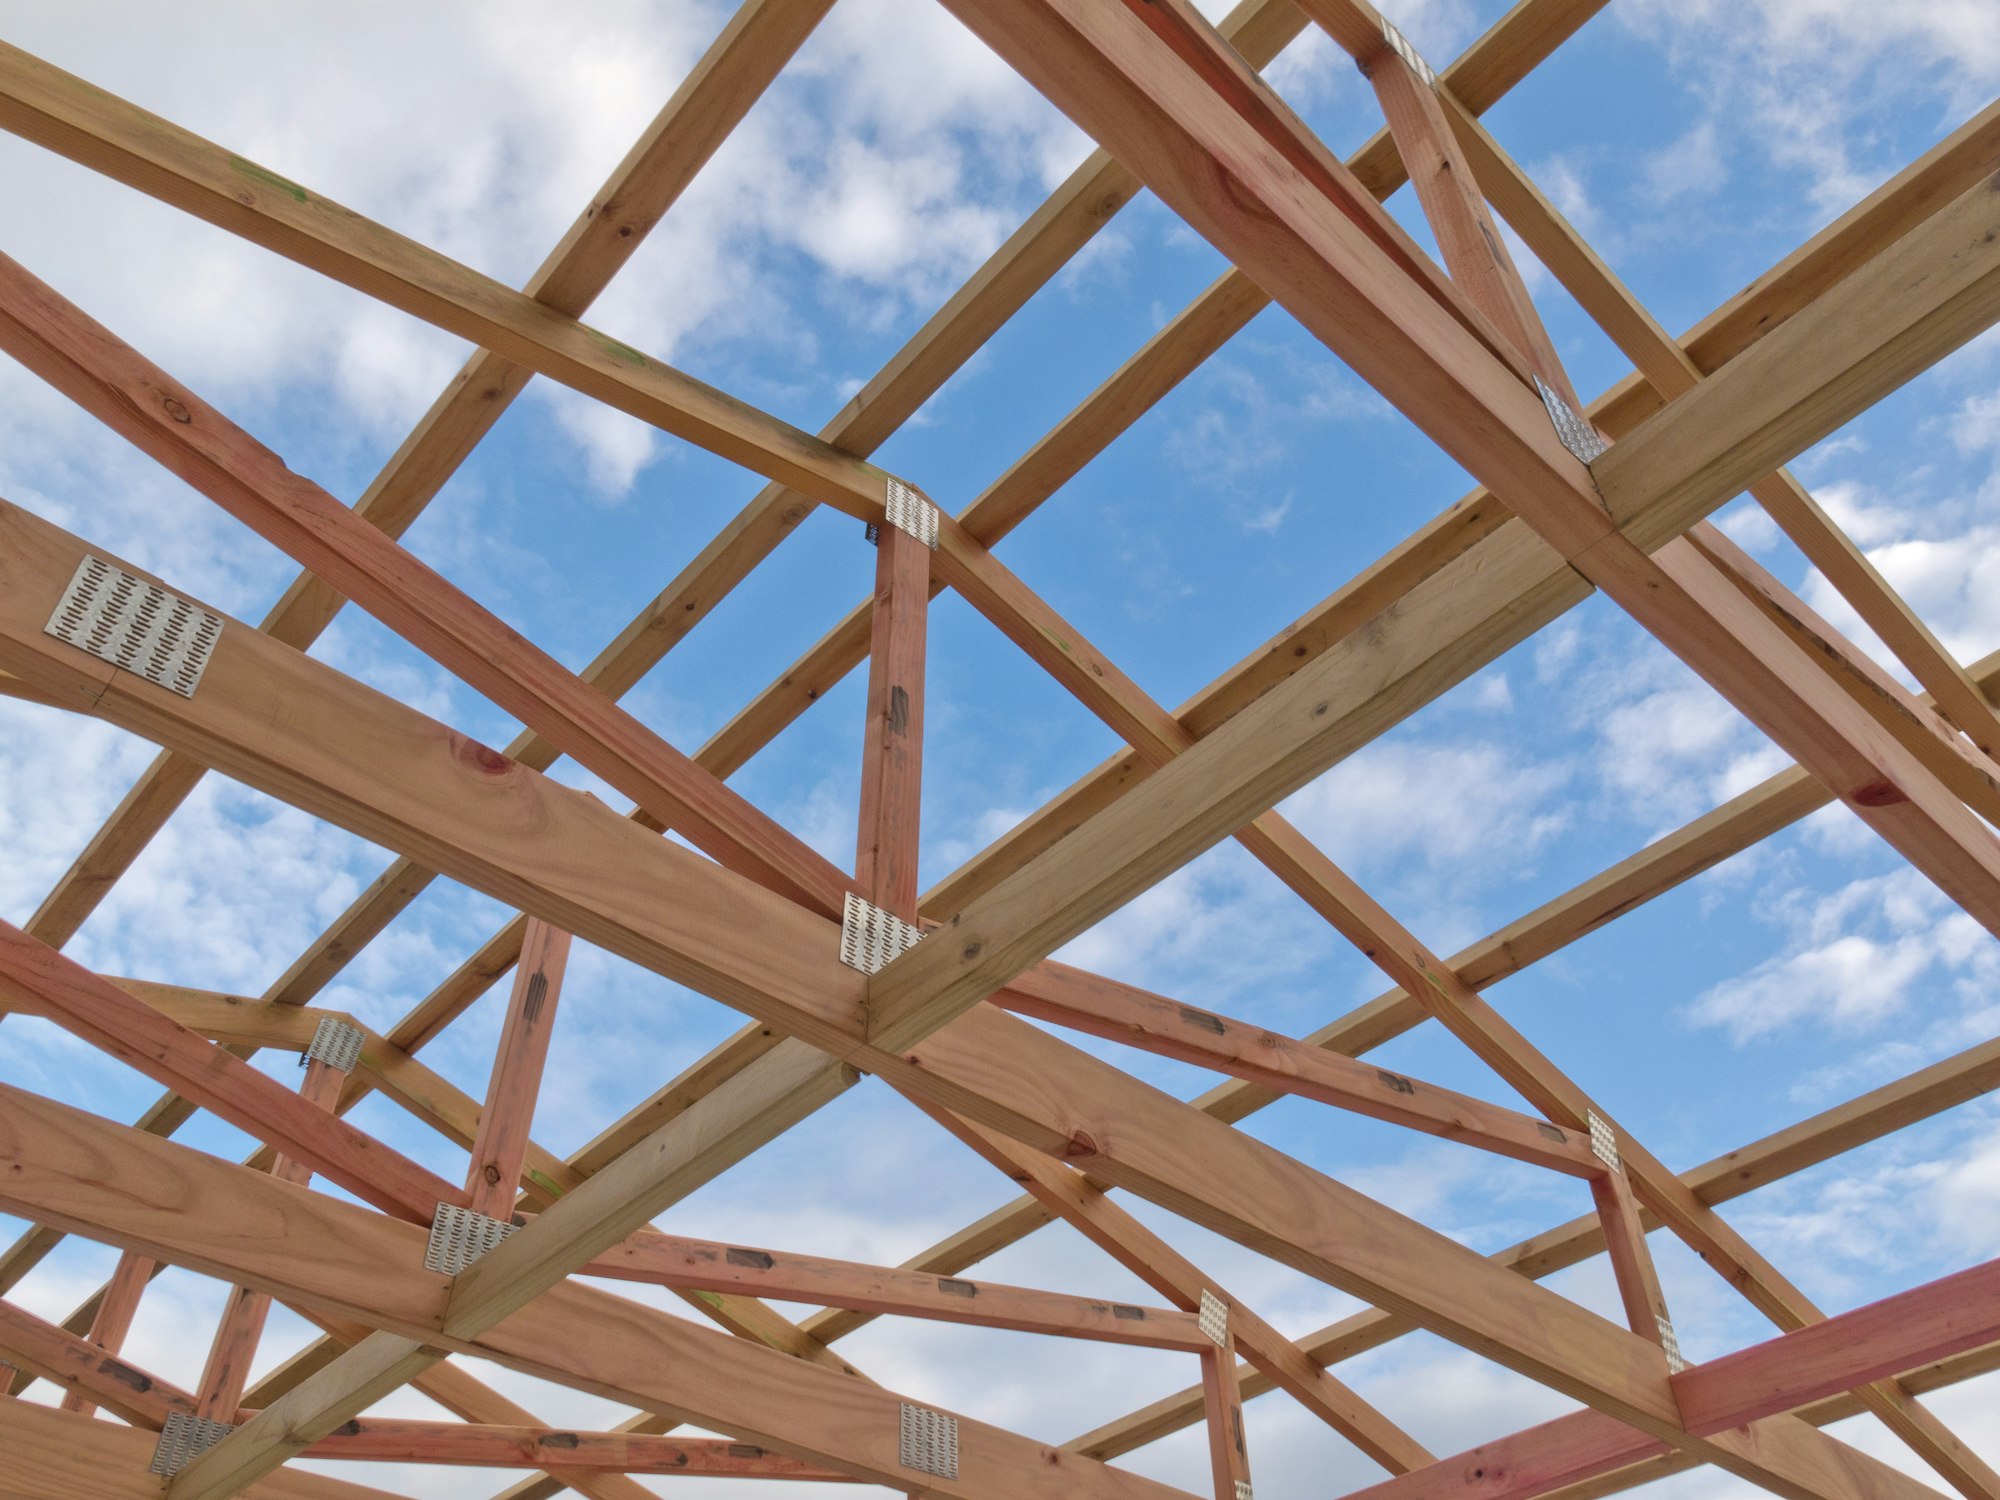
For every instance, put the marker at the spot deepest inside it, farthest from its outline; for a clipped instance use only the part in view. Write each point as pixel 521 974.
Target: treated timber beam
pixel 387 1440
pixel 1376 1262
pixel 88 1373
pixel 711 1266
pixel 730 76
pixel 500 1150
pixel 892 748
pixel 1671 371
pixel 42 981
pixel 1122 75
pixel 1954 1315
pixel 1069 997
pixel 58 1453
pixel 1147 1256
pixel 112 1320
pixel 1460 221
pixel 238 1020
pixel 108 1180
pixel 234 1348
pixel 1873 1115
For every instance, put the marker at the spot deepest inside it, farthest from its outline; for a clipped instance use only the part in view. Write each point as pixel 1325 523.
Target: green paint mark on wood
pixel 625 354
pixel 269 178
pixel 713 1299
pixel 545 1182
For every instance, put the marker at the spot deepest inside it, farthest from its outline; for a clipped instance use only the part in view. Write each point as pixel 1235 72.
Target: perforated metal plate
pixel 906 509
pixel 1243 1490
pixel 1213 1319
pixel 929 1441
pixel 459 1237
pixel 1670 1341
pixel 1400 45
pixel 184 1437
pixel 119 617
pixel 1577 435
pixel 1604 1143
pixel 870 936
pixel 336 1043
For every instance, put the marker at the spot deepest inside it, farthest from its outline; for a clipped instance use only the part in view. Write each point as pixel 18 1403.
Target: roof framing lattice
pixel 846 975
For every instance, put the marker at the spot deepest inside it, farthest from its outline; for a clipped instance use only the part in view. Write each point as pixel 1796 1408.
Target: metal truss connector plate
pixel 906 509
pixel 1670 1342
pixel 1400 45
pixel 459 1237
pixel 929 1441
pixel 336 1043
pixel 137 626
pixel 1213 1319
pixel 870 936
pixel 1604 1143
pixel 184 1437
pixel 1576 434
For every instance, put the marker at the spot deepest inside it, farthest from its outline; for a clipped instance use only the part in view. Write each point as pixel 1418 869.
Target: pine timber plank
pixel 500 1150
pixel 1069 997
pixel 892 752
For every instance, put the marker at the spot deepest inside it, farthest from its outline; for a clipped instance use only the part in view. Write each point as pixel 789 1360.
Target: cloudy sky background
pixel 1695 143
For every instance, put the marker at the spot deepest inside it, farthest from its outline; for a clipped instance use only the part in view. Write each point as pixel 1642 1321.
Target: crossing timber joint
pixel 459 1236
pixel 870 937
pixel 1399 44
pixel 135 625
pixel 928 1441
pixel 1213 1319
pixel 905 507
pixel 335 1042
pixel 1670 1343
pixel 1604 1142
pixel 184 1437
pixel 1576 434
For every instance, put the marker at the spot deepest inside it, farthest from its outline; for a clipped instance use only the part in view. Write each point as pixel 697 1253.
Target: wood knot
pixel 1883 793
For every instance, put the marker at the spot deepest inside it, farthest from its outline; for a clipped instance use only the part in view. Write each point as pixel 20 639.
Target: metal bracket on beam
pixel 336 1043
pixel 1670 1342
pixel 905 508
pixel 184 1437
pixel 870 937
pixel 1243 1491
pixel 1603 1143
pixel 1213 1319
pixel 1576 434
pixel 137 626
pixel 459 1237
pixel 1400 45
pixel 929 1441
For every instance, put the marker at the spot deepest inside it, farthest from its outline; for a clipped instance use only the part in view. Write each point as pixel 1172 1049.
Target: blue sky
pixel 1694 143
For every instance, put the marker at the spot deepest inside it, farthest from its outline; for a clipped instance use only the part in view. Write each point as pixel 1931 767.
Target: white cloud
pixel 1854 959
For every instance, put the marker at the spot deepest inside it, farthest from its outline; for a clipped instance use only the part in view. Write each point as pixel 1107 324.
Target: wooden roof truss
pixel 1609 495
